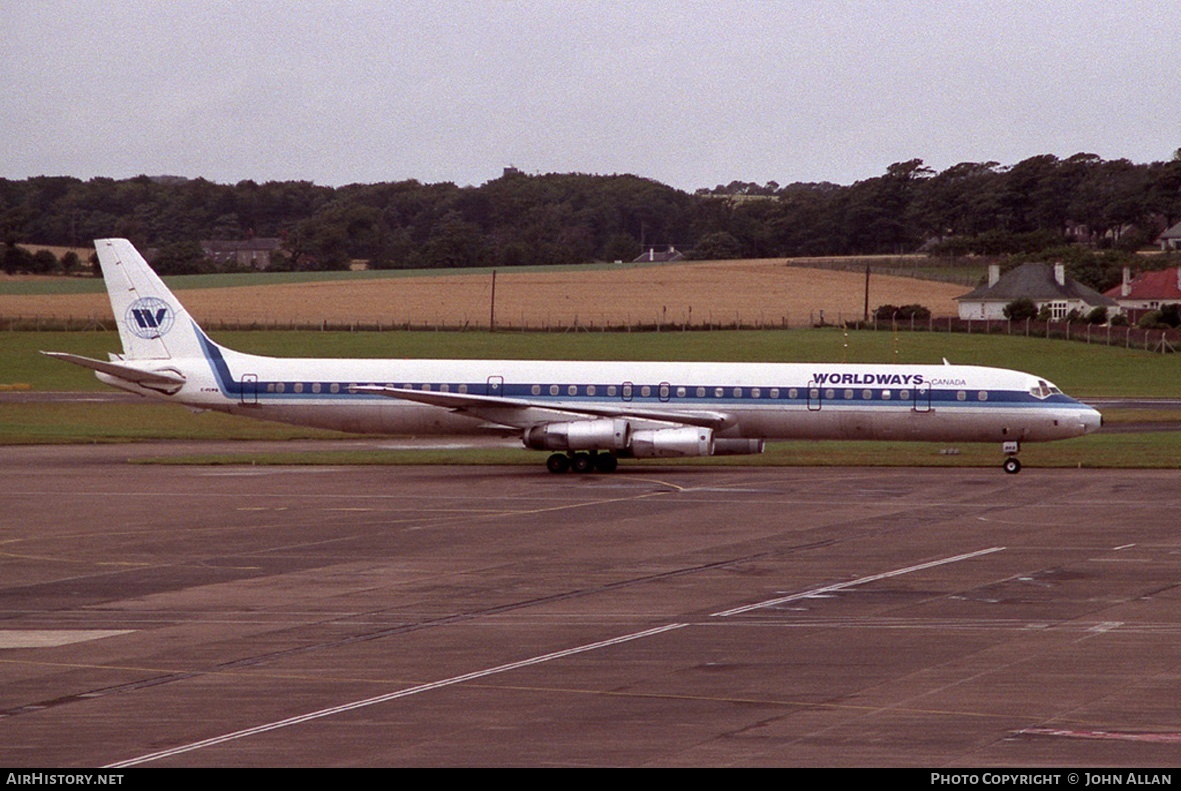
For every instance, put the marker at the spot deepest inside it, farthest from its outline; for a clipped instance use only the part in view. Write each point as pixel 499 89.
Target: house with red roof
pixel 1146 291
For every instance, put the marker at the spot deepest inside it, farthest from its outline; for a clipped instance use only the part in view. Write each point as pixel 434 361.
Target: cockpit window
pixel 1044 389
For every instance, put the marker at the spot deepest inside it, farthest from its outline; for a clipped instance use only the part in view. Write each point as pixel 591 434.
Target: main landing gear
pixel 1011 465
pixel 582 462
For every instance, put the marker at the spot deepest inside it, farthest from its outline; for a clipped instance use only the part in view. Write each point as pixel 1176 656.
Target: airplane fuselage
pixel 759 400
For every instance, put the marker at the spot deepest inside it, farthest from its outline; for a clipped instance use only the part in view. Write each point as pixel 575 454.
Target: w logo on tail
pixel 150 317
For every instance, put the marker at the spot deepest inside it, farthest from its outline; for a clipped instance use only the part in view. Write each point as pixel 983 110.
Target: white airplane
pixel 587 414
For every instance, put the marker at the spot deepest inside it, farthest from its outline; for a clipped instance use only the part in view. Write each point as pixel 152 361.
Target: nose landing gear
pixel 1011 464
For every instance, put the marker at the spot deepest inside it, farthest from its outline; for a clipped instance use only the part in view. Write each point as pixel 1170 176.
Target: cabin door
pixel 250 389
pixel 922 398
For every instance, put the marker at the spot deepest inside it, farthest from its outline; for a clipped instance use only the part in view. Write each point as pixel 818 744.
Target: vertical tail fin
pixel 153 325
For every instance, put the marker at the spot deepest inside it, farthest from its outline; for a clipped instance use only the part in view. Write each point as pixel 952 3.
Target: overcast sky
pixel 691 94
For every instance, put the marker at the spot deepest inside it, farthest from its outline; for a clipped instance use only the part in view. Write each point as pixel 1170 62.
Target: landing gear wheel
pixel 582 462
pixel 606 462
pixel 557 463
pixel 1012 465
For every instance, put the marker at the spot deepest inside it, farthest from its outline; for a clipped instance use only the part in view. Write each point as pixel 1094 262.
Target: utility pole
pixel 492 305
pixel 866 318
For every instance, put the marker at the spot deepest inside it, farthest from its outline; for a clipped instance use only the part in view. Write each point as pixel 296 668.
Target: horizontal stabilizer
pixel 161 381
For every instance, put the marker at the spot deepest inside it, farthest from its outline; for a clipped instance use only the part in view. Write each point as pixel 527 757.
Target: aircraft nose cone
pixel 1091 420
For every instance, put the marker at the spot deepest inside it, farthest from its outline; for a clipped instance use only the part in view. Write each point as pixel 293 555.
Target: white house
pixel 1041 283
pixel 1171 238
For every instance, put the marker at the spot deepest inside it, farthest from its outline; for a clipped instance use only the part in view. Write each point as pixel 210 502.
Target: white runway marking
pixel 814 592
pixel 272 726
pixel 402 693
pixel 52 638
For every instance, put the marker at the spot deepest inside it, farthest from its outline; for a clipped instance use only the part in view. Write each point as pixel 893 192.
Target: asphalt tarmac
pixel 661 616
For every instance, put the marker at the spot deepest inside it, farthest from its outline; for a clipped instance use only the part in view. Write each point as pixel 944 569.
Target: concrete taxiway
pixel 661 616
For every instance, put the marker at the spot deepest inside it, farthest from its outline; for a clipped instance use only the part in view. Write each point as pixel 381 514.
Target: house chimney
pixel 994 274
pixel 1126 286
pixel 1060 273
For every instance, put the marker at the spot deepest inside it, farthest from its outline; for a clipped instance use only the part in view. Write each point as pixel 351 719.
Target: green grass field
pixel 1080 369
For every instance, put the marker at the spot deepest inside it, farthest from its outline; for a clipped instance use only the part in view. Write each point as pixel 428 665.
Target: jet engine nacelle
pixel 666 442
pixel 605 434
pixel 737 447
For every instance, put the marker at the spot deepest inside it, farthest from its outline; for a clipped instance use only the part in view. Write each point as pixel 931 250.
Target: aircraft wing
pixel 523 412
pixel 164 381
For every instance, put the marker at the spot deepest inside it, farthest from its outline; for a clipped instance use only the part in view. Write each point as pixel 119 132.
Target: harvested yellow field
pixel 715 292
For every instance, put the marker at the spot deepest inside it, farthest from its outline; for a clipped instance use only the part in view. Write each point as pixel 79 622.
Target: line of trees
pixel 1038 204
